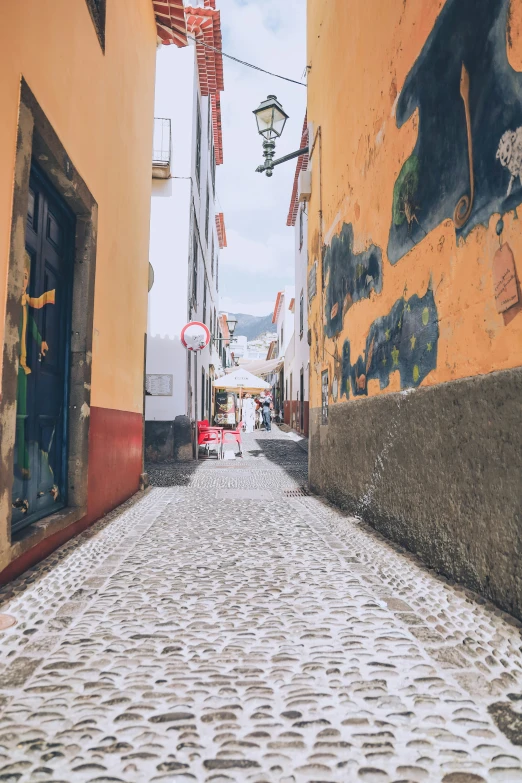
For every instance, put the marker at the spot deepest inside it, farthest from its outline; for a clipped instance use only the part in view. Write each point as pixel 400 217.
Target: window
pixel 198 142
pixel 97 12
pixel 213 164
pixel 204 301
pixel 301 315
pixel 217 273
pixel 301 227
pixel 312 281
pixel 282 340
pixel 212 258
pixel 207 213
pixel 195 267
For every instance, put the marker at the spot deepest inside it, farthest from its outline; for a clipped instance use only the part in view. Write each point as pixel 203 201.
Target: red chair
pixel 232 436
pixel 209 436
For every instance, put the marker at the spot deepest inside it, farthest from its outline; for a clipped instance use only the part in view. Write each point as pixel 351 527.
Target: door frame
pixel 38 178
pixel 37 139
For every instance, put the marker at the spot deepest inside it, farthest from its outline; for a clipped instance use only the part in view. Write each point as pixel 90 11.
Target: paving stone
pixel 228 626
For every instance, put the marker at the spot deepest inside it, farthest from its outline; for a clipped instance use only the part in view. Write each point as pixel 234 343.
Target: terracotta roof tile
pixel 204 24
pixel 221 232
pixel 301 165
pixel 170 22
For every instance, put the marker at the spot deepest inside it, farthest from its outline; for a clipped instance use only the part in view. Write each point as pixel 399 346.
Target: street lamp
pixel 231 323
pixel 271 119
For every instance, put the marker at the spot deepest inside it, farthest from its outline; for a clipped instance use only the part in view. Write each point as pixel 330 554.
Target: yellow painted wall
pixel 360 54
pixel 101 107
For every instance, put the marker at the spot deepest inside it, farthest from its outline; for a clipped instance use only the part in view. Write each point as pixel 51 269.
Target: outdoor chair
pixel 232 436
pixel 210 436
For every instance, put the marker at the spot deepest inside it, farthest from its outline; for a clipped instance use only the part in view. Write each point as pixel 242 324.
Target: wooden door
pixel 40 474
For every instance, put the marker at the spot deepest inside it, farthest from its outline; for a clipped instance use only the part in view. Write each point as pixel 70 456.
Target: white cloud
pixel 252 257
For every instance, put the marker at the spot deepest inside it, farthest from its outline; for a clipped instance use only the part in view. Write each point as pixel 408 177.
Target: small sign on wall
pixel 159 385
pixel 504 279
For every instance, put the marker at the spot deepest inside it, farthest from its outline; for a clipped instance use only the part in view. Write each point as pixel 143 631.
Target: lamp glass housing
pixel 270 118
pixel 231 323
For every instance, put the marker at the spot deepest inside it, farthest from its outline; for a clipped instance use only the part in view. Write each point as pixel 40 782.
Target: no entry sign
pixel 195 336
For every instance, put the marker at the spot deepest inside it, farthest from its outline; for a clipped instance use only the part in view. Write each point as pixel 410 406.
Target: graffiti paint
pixel 405 340
pixel 467 160
pixel 349 277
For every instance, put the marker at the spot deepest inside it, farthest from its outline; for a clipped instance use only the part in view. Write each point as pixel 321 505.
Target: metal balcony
pixel 161 148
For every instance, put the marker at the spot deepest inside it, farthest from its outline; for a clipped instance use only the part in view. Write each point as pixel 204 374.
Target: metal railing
pixel 161 146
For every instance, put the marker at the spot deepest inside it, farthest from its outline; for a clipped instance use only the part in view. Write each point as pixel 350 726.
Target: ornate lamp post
pixel 271 119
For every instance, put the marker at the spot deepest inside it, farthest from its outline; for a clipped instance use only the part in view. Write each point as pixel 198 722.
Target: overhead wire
pixel 243 62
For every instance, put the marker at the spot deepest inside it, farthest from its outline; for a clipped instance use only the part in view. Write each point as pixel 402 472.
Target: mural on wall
pixel 467 161
pixel 27 328
pixel 405 340
pixel 349 277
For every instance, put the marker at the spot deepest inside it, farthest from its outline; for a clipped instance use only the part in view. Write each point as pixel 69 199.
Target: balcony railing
pixel 161 148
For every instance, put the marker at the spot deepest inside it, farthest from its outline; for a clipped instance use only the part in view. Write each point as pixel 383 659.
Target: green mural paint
pixel 405 340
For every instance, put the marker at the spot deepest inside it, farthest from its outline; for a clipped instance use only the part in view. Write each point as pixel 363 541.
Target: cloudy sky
pixel 259 258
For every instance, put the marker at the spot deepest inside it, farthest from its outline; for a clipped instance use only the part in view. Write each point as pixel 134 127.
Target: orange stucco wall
pixel 101 107
pixel 359 55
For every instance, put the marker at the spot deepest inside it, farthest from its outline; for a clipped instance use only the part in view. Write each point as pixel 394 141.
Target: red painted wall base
pixel 293 416
pixel 115 459
pixel 115 465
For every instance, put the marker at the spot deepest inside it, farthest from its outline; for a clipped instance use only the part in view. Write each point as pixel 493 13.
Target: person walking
pixel 267 414
pixel 249 413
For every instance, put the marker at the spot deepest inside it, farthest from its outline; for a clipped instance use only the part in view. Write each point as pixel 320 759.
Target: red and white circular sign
pixel 195 336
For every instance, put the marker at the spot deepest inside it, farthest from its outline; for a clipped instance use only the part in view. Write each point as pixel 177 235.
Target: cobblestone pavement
pixel 227 627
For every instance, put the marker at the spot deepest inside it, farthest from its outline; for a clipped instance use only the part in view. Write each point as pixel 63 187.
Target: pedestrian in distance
pixel 249 413
pixel 267 414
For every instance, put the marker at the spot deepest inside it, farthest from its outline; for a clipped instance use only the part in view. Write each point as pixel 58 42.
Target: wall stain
pixel 405 340
pixel 349 277
pixel 469 100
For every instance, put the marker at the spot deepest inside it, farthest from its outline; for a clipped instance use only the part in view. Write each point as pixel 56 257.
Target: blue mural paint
pixel 470 111
pixel 405 340
pixel 350 277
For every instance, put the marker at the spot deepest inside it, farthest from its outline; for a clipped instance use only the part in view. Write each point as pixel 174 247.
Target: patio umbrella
pixel 241 380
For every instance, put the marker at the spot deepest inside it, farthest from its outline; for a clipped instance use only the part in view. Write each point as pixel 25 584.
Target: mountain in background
pixel 253 326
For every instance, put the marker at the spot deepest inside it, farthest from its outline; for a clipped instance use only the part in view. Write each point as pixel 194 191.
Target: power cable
pixel 242 62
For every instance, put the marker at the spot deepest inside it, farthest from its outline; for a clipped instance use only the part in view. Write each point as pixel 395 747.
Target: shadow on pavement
pixel 258 446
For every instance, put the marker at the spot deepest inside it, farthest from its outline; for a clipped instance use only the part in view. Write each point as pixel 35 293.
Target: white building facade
pixel 297 356
pixel 187 234
pixel 283 320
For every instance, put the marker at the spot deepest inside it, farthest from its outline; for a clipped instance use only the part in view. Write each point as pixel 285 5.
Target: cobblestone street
pixel 226 627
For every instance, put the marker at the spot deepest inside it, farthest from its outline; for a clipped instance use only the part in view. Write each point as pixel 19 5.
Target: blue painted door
pixel 40 466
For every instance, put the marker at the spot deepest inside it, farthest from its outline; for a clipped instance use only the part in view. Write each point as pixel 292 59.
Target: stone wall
pixel 439 470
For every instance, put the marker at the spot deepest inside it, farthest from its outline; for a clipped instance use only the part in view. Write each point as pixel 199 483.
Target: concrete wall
pixel 88 121
pixel 100 105
pixel 413 226
pixel 297 355
pixel 176 204
pixel 285 319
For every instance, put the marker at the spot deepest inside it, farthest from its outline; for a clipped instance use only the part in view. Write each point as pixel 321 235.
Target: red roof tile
pixel 277 306
pixel 170 21
pixel 301 165
pixel 204 24
pixel 220 227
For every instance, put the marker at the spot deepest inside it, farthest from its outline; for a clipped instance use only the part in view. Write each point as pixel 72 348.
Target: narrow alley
pixel 227 626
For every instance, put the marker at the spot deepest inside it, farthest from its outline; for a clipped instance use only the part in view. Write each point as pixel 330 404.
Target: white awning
pixel 241 379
